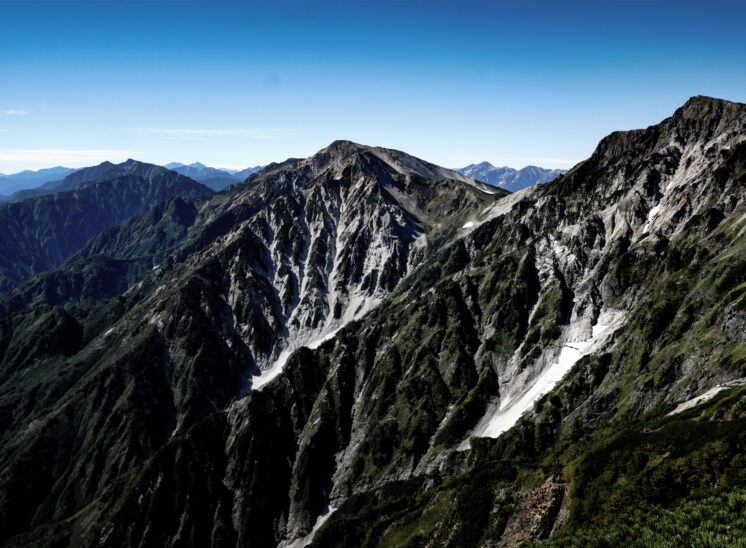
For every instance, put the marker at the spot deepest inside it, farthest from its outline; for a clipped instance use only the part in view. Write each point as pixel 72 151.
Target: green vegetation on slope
pixel 718 520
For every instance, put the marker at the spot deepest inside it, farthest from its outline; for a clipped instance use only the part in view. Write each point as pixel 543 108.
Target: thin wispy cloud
pixel 13 112
pixel 191 133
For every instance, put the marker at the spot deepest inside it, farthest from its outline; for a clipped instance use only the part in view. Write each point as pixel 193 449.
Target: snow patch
pixel 305 541
pixel 651 215
pixel 256 383
pixel 512 408
pixel 707 396
pixel 468 225
pixel 740 220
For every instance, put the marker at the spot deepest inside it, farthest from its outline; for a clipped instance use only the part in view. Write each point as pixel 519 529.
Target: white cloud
pixel 48 157
pixel 15 112
pixel 186 133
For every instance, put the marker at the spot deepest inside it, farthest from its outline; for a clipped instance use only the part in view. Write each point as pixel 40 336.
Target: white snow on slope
pixel 305 541
pixel 276 368
pixel 256 383
pixel 511 409
pixel 651 215
pixel 707 396
pixel 468 225
pixel 740 220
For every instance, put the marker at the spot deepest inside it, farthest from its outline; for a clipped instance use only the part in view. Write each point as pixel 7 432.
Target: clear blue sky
pixel 244 83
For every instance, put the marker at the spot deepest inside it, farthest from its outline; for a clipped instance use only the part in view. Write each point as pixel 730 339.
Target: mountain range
pixel 508 178
pixel 33 184
pixel 41 233
pixel 9 184
pixel 362 348
pixel 216 179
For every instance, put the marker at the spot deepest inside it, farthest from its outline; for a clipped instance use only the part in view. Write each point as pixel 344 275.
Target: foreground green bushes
pixel 718 520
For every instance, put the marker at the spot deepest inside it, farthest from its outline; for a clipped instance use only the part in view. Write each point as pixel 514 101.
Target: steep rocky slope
pixel 625 278
pixel 283 260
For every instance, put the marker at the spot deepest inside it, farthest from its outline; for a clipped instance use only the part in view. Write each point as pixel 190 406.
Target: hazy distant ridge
pixel 509 178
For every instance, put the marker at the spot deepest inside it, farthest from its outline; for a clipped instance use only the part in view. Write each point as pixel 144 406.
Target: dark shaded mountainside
pixel 425 314
pixel 109 263
pixel 41 233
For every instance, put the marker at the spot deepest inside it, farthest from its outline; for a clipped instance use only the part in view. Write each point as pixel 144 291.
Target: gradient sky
pixel 234 84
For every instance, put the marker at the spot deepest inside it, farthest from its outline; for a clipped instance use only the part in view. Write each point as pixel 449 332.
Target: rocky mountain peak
pixel 342 147
pixel 480 166
pixel 702 106
pixel 706 119
pixel 694 129
pixel 340 157
pixel 340 229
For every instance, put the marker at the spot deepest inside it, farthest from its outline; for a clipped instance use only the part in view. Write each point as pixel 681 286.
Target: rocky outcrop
pixel 537 516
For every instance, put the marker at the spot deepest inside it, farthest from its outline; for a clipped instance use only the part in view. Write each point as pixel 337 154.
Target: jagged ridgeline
pixel 340 352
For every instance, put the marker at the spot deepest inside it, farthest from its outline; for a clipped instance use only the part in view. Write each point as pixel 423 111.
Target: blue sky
pixel 244 83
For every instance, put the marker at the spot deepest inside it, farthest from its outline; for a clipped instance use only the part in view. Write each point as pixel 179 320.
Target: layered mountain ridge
pixel 213 178
pixel 216 179
pixel 509 178
pixel 340 351
pixel 41 233
pixel 10 184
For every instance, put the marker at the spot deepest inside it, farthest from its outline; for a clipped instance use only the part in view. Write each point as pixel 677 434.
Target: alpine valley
pixel 361 348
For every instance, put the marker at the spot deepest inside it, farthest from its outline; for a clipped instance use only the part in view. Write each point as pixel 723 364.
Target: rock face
pixel 508 178
pixel 331 341
pixel 537 516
